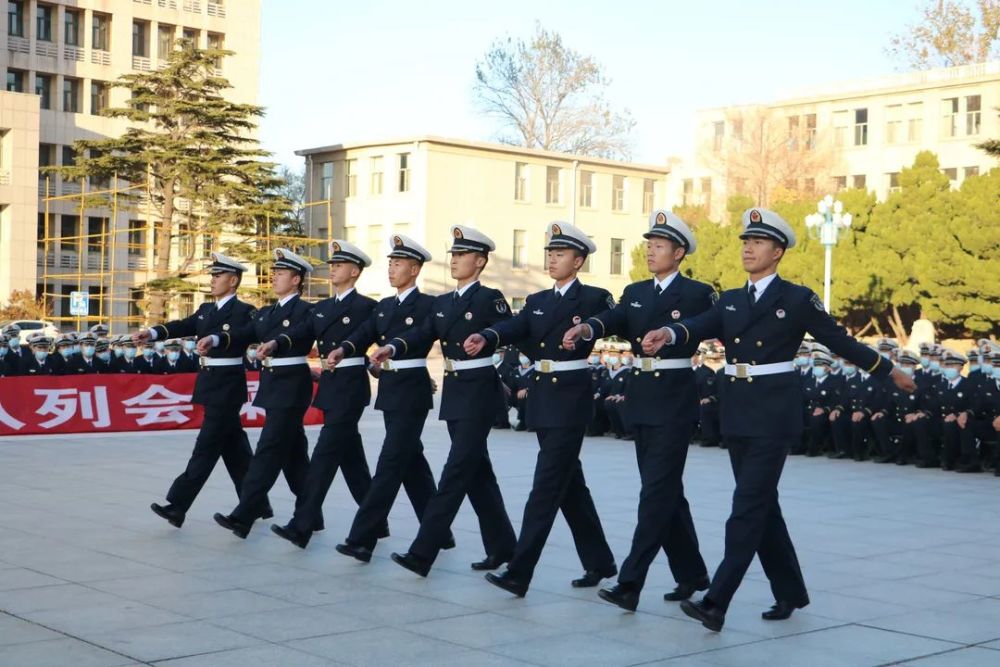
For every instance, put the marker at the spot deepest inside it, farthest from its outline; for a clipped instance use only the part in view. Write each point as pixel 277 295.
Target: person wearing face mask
pixel 173 360
pixel 40 362
pixel 64 356
pixel 503 364
pixel 4 351
pixel 126 363
pixel 850 420
pixel 803 363
pixel 146 362
pixel 220 388
pixel 956 402
pixel 660 405
pixel 190 348
pixel 102 355
pixel 988 404
pixel 823 395
pixel 598 363
pixel 521 382
pixel 16 354
pixel 250 360
pixel 85 363
pixel 900 423
pixel 613 393
pixel 705 380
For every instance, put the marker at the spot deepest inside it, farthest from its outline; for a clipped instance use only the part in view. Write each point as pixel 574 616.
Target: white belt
pixel 393 365
pixel 204 362
pixel 271 362
pixel 549 366
pixel 451 365
pixel 744 371
pixel 345 363
pixel 649 364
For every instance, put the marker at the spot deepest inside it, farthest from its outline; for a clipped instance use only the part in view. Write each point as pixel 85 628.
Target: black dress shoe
pixel 591 578
pixel 779 611
pixel 414 564
pixel 290 534
pixel 174 516
pixel 355 551
pixel 227 521
pixel 623 595
pixel 710 616
pixel 686 590
pixel 450 544
pixel 509 583
pixel 490 563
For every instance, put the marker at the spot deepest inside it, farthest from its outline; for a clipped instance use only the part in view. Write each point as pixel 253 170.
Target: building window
pixel 68 232
pixel 95 233
pixel 207 244
pixel 326 180
pixel 809 185
pixel 164 41
pixel 706 193
pixel 687 192
pixel 949 117
pixel 893 178
pixel 914 121
pixel 350 177
pixel 858 181
pixel 648 195
pixel 973 117
pixel 140 39
pixel 718 129
pixel 43 88
pixel 553 182
pixel 617 193
pixel 861 127
pixel 71 95
pixel 375 241
pixel 68 156
pixel 839 183
pixel 969 172
pixel 101 32
pixel 617 254
pixel 376 178
pixel 43 23
pixel 738 185
pixel 98 97
pixel 951 173
pixel 192 34
pixel 404 172
pixel 46 155
pixel 792 143
pixel 840 128
pixel 216 42
pixel 135 297
pixel 15 81
pixel 519 258
pixel 893 123
pixel 520 181
pixel 71 28
pixel 586 189
pixel 736 129
pixel 136 237
pixel 15 18
pixel 810 131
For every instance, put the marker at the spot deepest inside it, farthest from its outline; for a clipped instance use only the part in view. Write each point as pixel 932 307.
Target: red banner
pixel 106 403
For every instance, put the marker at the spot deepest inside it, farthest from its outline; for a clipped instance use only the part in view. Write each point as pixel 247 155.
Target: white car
pixel 29 327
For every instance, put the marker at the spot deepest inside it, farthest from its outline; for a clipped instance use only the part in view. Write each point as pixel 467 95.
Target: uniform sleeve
pixel 178 328
pixel 825 329
pixel 611 322
pixel 241 335
pixel 706 326
pixel 303 331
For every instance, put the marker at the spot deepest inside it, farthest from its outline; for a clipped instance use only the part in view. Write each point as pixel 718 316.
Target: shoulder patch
pixel 816 302
pixel 610 301
pixel 501 305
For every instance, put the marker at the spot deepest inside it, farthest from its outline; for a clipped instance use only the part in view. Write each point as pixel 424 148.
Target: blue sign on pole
pixel 79 303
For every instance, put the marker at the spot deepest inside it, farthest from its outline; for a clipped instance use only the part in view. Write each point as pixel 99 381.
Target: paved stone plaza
pixel 902 567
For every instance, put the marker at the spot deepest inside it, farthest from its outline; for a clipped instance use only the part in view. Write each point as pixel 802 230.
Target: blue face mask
pixel 496 359
pixel 993 370
pixel 148 352
pixel 88 351
pixel 835 365
pixel 905 370
pixel 66 352
pixel 801 362
pixel 973 368
pixel 935 366
pixel 189 345
pixel 173 355
pixel 594 360
pixel 129 353
pixel 14 341
pixel 819 371
pixel 118 352
pixel 951 373
pixel 104 356
pixel 849 371
pixel 524 360
pixel 613 361
pixel 924 362
pixel 3 352
pixel 251 354
pixel 626 361
pixel 158 345
pixel 41 355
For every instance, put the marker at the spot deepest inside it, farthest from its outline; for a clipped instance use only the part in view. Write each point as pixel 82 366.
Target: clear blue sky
pixel 334 71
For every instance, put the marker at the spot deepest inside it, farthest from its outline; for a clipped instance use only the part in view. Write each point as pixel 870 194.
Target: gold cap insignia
pixel 396 241
pixel 661 218
pixel 556 229
pixel 755 216
pixel 457 233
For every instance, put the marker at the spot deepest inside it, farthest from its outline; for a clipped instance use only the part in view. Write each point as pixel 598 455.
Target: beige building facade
pixel 18 190
pixel 66 53
pixel 861 135
pixel 422 186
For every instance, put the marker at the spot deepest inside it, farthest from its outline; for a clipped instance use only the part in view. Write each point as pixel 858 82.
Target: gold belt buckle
pixel 648 365
pixel 386 365
pixel 546 366
pixel 449 365
pixel 325 365
pixel 742 371
pixel 266 362
pixel 203 362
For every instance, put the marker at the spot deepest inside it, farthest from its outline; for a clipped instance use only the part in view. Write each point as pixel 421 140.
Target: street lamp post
pixel 826 225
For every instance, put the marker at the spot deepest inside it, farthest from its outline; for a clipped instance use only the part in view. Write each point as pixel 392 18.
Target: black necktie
pixel 659 290
pixel 558 294
pixel 454 295
pixel 751 292
pixel 398 301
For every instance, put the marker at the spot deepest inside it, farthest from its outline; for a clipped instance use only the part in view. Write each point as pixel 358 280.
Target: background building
pixel 859 134
pixel 18 190
pixel 421 186
pixel 67 53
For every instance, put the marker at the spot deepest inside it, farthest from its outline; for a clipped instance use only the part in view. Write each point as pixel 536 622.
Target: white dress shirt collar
pixel 224 300
pixel 462 290
pixel 285 299
pixel 761 285
pixel 665 283
pixel 402 296
pixel 565 288
pixel 344 295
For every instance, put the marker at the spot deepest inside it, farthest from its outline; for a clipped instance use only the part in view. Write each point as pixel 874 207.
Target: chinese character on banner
pixel 158 405
pixel 63 405
pixel 8 420
pixel 251 412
